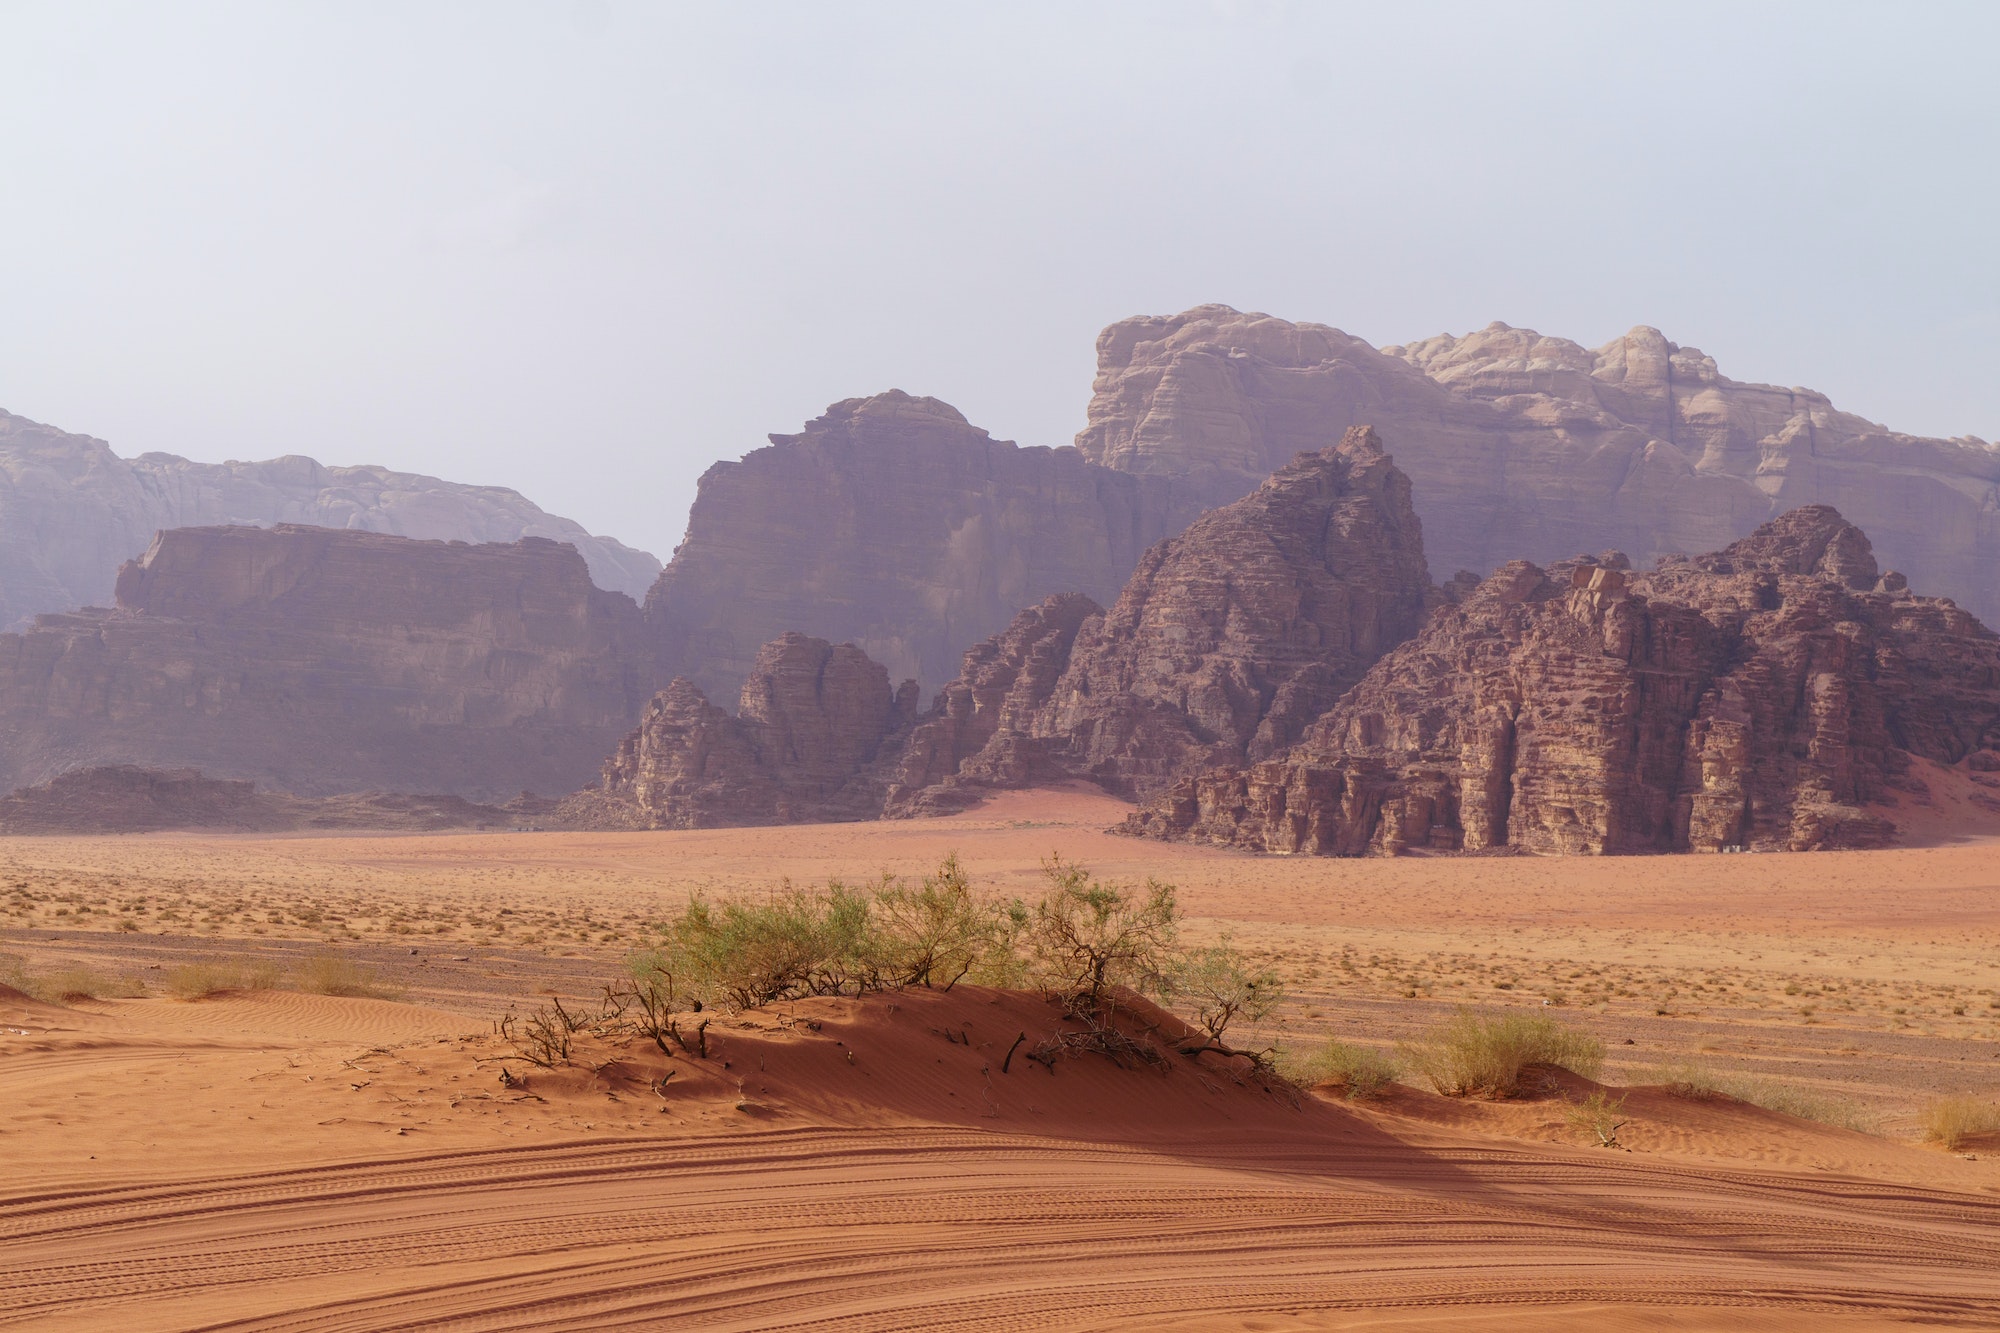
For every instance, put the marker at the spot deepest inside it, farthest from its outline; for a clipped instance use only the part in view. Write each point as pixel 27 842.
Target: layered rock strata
pixel 318 661
pixel 1525 446
pixel 1762 697
pixel 71 512
pixel 1226 641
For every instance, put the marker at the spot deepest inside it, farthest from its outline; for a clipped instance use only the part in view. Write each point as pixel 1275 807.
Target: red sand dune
pixel 354 1164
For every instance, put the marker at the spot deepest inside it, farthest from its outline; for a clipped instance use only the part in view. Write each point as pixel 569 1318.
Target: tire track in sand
pixel 904 1228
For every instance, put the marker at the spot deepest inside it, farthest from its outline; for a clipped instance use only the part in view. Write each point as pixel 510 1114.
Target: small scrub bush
pixel 196 981
pixel 1599 1116
pixel 1696 1081
pixel 1361 1073
pixel 66 985
pixel 743 955
pixel 1217 986
pixel 334 974
pixel 1470 1054
pixel 1085 938
pixel 1690 1080
pixel 932 935
pixel 1950 1121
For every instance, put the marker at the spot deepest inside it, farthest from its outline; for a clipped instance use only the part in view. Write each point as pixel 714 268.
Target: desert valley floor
pixel 275 1158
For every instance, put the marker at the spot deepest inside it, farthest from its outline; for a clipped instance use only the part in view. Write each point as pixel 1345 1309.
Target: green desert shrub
pixel 936 932
pixel 1086 937
pixel 1082 939
pixel 1359 1072
pixel 741 955
pixel 1471 1054
pixel 1216 986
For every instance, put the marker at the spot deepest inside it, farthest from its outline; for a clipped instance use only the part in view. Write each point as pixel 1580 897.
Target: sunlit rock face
pixel 1764 696
pixel 1522 446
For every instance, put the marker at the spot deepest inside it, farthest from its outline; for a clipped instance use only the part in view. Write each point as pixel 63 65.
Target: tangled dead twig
pixel 1098 1039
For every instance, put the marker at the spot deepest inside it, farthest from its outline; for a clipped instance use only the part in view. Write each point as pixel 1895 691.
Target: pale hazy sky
pixel 585 249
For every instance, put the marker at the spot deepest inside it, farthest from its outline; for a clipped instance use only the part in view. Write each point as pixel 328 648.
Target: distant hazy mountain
pixel 71 512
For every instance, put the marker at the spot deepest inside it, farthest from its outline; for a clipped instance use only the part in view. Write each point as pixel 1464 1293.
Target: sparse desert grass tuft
pixel 1697 1081
pixel 65 985
pixel 1470 1054
pixel 197 981
pixel 1949 1121
pixel 1690 1080
pixel 1360 1072
pixel 332 974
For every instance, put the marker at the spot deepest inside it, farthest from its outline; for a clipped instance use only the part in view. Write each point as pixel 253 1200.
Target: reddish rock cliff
pixel 981 731
pixel 1762 696
pixel 1230 638
pixel 813 718
pixel 320 661
pixel 1224 644
pixel 893 523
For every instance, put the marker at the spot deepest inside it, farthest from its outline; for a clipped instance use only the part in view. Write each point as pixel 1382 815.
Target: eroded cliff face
pixel 812 720
pixel 71 512
pixel 1230 638
pixel 319 661
pixel 1224 644
pixel 1524 446
pixel 1763 696
pixel 893 523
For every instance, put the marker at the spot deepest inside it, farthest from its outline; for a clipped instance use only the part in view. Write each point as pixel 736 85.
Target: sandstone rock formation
pixel 71 512
pixel 1227 640
pixel 984 729
pixel 319 661
pixel 1523 446
pixel 123 798
pixel 893 523
pixel 812 718
pixel 1762 696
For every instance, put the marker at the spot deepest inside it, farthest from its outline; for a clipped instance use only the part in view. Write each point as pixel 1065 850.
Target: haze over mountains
pixel 893 524
pixel 72 511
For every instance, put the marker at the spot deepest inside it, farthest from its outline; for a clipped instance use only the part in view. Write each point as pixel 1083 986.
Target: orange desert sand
pixel 277 1159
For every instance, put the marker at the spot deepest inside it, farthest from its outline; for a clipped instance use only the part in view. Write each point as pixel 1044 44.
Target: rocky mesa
pixel 318 661
pixel 1764 696
pixel 1229 638
pixel 72 512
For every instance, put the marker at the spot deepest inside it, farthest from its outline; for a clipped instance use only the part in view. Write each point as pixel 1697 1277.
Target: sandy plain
pixel 272 1158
